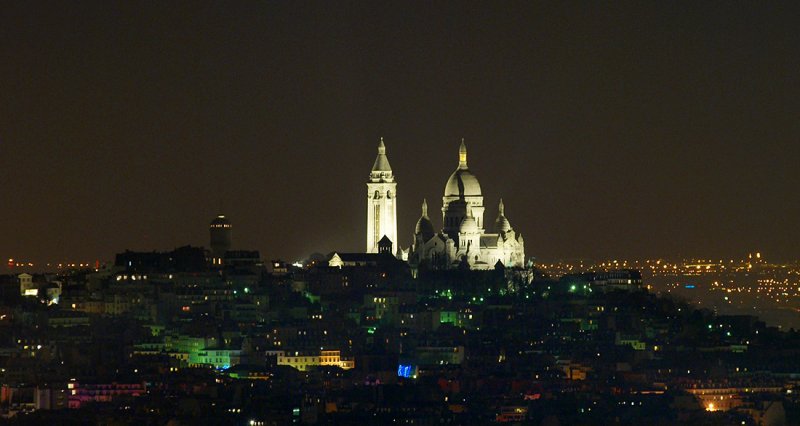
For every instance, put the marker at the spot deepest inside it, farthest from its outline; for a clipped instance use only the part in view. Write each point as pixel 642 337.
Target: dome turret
pixel 502 225
pixel 424 225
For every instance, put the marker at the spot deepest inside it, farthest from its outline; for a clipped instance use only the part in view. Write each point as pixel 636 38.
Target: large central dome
pixel 462 182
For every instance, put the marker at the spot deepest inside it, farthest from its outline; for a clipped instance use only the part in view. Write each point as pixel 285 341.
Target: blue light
pixel 404 371
pixel 689 286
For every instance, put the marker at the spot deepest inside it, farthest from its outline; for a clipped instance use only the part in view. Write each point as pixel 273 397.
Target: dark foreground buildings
pixel 185 338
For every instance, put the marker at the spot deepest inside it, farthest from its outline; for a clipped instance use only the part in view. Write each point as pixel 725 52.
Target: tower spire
pixel 381 161
pixel 424 208
pixel 502 208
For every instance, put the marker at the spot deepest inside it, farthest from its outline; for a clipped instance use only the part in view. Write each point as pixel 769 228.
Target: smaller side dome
pixel 424 225
pixel 502 224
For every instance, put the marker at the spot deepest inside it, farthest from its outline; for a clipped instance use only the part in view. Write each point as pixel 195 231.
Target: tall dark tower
pixel 221 232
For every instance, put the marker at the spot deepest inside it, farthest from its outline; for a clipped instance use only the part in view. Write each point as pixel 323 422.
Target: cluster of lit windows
pixel 132 277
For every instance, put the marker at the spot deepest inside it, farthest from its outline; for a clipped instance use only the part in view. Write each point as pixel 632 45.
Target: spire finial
pixel 502 208
pixel 462 155
pixel 424 208
pixel 381 147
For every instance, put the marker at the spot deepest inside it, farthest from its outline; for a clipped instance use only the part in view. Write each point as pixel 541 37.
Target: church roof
pixel 363 259
pixel 489 240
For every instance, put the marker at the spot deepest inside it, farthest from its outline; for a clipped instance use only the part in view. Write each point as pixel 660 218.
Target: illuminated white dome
pixel 462 182
pixel 502 224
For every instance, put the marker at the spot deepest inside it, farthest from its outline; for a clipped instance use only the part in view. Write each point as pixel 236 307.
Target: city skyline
pixel 658 130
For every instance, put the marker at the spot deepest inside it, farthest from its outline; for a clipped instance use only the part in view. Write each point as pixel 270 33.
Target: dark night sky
pixel 610 130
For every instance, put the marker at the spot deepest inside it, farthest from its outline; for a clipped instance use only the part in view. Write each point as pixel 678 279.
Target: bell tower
pixel 381 202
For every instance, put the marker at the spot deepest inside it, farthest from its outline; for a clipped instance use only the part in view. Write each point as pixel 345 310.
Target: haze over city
pixel 650 130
